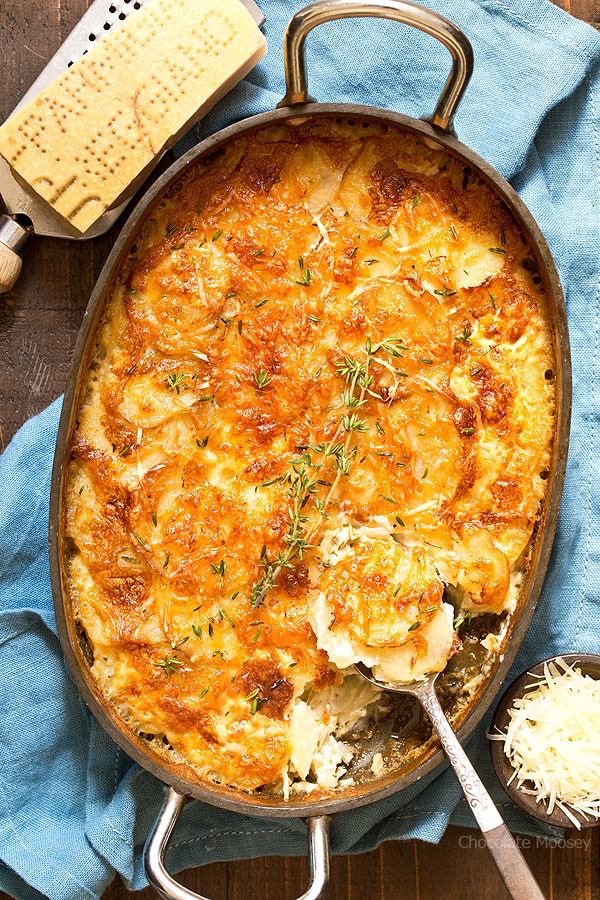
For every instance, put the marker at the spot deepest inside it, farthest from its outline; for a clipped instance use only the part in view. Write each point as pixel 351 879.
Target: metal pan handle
pixel 158 842
pixel 401 11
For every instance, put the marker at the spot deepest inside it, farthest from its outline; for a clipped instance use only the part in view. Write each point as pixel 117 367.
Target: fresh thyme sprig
pixel 261 379
pixel 305 478
pixel 176 382
pixel 219 570
pixel 171 663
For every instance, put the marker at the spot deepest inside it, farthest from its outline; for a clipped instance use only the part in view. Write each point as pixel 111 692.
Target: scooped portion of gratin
pixel 380 602
pixel 316 428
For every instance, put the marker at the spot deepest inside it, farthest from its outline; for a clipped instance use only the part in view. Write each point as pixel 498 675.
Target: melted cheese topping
pixel 380 603
pixel 217 365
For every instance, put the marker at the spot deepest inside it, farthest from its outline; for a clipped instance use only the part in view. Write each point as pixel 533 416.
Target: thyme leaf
pixel 176 382
pixel 170 665
pixel 261 379
pixel 219 570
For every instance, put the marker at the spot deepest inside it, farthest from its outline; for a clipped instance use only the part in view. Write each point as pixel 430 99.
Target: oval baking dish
pixel 296 107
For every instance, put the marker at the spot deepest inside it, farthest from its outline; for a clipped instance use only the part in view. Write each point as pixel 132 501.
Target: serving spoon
pixel 511 864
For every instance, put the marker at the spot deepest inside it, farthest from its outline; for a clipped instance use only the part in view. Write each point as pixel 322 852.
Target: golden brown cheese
pixel 378 602
pixel 218 375
pixel 402 585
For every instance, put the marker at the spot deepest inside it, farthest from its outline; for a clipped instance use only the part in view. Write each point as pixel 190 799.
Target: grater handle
pixel 14 234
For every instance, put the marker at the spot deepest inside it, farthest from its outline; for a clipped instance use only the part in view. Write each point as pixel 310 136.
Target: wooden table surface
pixel 39 321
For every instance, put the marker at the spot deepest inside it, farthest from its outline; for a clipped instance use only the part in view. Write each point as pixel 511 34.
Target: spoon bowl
pixel 415 688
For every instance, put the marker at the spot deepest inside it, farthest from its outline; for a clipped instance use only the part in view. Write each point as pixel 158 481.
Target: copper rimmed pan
pixel 438 128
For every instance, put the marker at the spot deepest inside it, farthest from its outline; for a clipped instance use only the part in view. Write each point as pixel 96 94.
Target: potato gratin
pixel 317 429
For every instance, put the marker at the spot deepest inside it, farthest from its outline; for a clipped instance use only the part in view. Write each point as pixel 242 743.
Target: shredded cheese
pixel 553 741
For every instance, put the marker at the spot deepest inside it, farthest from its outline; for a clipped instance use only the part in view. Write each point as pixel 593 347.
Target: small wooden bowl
pixel 589 665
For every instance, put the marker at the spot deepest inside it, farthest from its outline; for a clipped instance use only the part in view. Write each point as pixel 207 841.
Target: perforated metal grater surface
pixel 101 17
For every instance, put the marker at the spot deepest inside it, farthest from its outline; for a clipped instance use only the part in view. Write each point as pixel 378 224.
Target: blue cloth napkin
pixel 73 808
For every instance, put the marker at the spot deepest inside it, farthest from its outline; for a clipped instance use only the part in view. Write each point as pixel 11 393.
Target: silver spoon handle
pixel 505 852
pixel 482 805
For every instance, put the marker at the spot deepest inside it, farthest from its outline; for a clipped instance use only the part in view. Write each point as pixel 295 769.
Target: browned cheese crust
pixel 217 366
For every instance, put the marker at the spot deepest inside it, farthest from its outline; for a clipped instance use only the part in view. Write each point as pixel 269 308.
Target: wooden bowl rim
pixel 589 664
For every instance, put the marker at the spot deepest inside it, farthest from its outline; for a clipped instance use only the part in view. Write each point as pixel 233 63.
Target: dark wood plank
pixel 588 10
pixel 463 853
pixel 387 872
pixel 38 327
pixel 575 869
pixel 210 880
pixel 399 874
pixel 39 320
pixel 459 867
